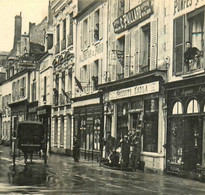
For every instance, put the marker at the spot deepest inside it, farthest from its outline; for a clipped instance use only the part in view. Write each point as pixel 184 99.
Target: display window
pixel 150 132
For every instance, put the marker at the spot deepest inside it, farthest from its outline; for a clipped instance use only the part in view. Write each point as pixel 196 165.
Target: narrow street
pixel 63 176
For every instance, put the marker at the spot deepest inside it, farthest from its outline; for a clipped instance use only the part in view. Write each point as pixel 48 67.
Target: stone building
pixel 63 63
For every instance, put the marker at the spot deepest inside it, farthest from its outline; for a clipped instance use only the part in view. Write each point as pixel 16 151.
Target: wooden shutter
pixel 153 52
pixel 137 50
pixel 127 56
pixel 178 45
pixel 101 23
pixel 91 28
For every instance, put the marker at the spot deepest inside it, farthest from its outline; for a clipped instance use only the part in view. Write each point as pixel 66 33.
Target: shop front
pixel 88 126
pixel 186 128
pixel 32 111
pixel 44 115
pixel 134 119
pixel 19 112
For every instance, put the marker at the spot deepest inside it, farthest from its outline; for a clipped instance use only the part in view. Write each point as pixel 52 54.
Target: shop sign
pixel 132 17
pixel 135 91
pixel 180 5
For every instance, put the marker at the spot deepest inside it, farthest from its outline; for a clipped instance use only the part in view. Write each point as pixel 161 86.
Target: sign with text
pixel 135 91
pixel 132 17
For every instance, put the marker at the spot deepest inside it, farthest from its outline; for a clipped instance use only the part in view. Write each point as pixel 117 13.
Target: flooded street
pixel 63 176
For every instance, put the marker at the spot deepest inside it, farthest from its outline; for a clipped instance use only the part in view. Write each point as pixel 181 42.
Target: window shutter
pixel 178 45
pixel 127 55
pixel 137 50
pixel 101 23
pixel 91 28
pixel 81 35
pixel 153 57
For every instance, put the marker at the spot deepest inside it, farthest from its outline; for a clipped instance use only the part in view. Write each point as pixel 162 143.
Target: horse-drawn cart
pixel 29 139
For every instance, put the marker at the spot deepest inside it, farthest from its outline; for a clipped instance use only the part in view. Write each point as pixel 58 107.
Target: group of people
pixel 124 151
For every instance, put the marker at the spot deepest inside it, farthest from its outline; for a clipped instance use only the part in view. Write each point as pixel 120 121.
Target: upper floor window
pixel 189 42
pixel 96 24
pixel 121 7
pixel 85 33
pixel 58 34
pixel 64 29
pixel 120 52
pixel 145 48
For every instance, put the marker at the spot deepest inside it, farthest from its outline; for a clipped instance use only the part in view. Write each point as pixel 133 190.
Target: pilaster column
pixel 114 121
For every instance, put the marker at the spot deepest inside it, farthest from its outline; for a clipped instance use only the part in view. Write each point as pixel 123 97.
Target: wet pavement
pixel 63 176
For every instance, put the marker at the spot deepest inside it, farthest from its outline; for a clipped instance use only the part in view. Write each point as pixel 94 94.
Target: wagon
pixel 30 139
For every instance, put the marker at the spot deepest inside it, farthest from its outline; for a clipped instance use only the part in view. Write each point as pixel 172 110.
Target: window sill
pixel 196 72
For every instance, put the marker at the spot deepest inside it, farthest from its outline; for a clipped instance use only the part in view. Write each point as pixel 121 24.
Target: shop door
pixel 192 143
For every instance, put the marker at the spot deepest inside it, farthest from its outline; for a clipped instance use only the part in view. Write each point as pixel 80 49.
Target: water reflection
pixel 28 175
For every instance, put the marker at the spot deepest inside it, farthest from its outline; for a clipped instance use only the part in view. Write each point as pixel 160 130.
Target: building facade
pixel 91 60
pixel 63 63
pixel 185 90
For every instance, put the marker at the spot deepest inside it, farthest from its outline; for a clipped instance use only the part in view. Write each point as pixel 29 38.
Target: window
pixel 83 75
pixel 33 88
pixel 95 74
pixel 45 88
pixel 85 33
pixel 121 7
pixel 193 107
pixel 82 132
pixel 177 108
pixel 56 131
pixel 58 34
pixel 64 29
pixel 120 50
pixel 188 28
pixel 97 133
pixel 145 48
pixel 62 131
pixel 96 25
pixel 150 133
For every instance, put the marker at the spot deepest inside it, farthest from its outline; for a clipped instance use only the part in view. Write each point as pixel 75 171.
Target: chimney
pixel 17 33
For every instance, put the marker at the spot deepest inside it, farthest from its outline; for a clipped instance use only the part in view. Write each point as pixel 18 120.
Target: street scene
pixel 64 176
pixel 102 96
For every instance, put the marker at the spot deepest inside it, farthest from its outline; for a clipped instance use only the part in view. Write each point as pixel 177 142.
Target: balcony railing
pixel 55 100
pixel 120 75
pixel 57 48
pixel 63 44
pixel 70 40
pixel 62 99
pixel 68 98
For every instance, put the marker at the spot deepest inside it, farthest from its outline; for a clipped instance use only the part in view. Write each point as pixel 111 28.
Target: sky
pixel 31 11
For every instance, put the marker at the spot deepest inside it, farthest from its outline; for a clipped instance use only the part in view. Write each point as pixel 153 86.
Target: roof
pixel 31 122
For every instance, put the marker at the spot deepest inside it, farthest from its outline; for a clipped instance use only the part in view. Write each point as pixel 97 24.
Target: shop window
pixel 82 133
pixel 150 133
pixel 62 131
pixel 145 48
pixel 97 134
pixel 175 141
pixel 177 108
pixel 193 107
pixel 55 131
